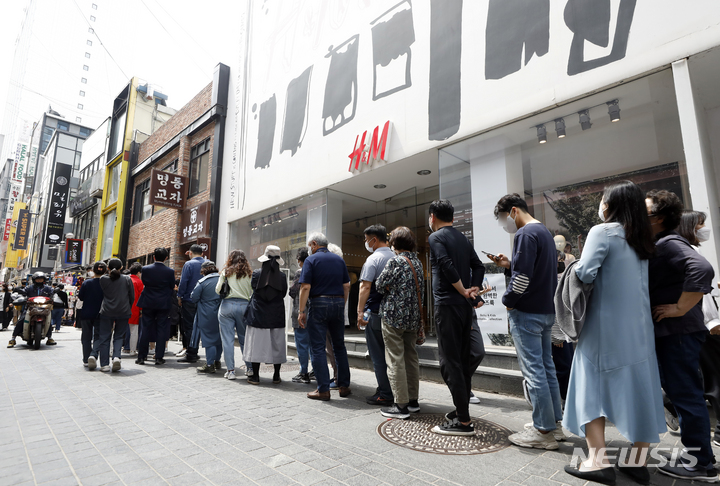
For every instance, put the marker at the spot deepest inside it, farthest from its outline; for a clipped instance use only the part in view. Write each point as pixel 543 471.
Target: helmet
pixel 38 275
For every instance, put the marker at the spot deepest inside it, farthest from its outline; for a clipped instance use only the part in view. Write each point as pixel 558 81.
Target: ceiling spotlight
pixel 560 128
pixel 424 172
pixel 613 110
pixel 265 223
pixel 541 134
pixel 379 186
pixel 585 119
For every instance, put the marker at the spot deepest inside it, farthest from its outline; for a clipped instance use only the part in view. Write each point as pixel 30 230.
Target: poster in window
pixel 167 189
pixel 58 203
pixel 492 317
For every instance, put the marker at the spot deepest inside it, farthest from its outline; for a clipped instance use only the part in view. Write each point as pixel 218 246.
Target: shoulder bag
pixel 421 332
pixel 225 287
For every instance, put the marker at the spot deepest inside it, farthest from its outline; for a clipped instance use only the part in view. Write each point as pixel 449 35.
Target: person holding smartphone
pixel 529 299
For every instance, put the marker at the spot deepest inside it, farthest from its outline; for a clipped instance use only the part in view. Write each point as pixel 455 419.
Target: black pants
pixel 710 367
pixel 453 324
pixel 563 358
pixel 477 347
pixel 90 333
pixel 6 317
pixel 189 309
pixel 154 326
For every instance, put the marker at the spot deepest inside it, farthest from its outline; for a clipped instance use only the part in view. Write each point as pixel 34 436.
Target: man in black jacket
pixel 155 302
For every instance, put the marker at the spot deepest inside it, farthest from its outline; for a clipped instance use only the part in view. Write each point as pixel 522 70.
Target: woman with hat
pixel 206 318
pixel 265 316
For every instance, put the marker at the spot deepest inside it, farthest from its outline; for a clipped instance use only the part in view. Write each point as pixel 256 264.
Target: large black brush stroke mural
pixel 511 26
pixel 266 132
pixel 589 20
pixel 445 55
pixel 341 86
pixel 296 112
pixel 392 35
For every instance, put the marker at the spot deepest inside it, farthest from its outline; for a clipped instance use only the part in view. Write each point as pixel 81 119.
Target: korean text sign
pixel 167 189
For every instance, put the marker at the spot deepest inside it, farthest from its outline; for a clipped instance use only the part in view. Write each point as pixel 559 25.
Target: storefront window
pixel 107 237
pixel 114 186
pixel 286 225
pixel 562 177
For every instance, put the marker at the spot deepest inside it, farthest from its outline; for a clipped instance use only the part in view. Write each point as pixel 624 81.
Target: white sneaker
pixel 557 433
pixel 116 364
pixel 133 353
pixel 181 354
pixel 473 399
pixel 230 375
pixel 85 365
pixel 533 438
pixel 92 363
pixel 105 369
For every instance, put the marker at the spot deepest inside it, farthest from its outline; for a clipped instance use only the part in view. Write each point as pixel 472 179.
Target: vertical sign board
pixel 58 204
pixel 20 164
pixel 73 251
pixel 13 197
pixel 23 228
pixel 167 189
pixel 195 223
pixel 12 255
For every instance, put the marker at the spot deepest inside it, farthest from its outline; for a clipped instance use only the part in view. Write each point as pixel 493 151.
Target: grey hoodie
pixel 118 297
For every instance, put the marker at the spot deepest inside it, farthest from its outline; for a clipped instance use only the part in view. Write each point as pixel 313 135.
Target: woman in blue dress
pixel 615 372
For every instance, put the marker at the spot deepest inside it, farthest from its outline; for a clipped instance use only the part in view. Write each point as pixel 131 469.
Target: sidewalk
pixel 61 424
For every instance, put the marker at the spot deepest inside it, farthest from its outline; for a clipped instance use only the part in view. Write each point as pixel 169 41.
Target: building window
pixel 117 136
pixel 87 54
pixel 82 93
pixel 86 67
pixel 83 80
pixel 108 233
pixel 85 132
pixel 142 209
pixel 94 6
pixel 199 165
pixel 63 125
pixel 78 120
pixel 89 42
pixel 114 183
pixel 80 106
pixel 91 30
pixel 171 167
pixel 92 18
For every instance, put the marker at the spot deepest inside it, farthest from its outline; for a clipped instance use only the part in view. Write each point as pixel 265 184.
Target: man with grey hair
pixel 325 282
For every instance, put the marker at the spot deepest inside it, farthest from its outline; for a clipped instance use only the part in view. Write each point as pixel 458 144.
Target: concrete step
pixel 499 372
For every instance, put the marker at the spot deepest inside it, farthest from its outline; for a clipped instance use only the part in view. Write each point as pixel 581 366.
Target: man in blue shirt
pixel 529 299
pixel 325 282
pixel 188 279
pixel 369 300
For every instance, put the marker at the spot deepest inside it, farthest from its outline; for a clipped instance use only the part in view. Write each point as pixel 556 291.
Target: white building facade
pixel 552 100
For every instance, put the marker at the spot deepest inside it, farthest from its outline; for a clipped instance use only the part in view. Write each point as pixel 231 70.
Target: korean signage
pixel 13 197
pixel 167 189
pixel 73 251
pixel 20 164
pixel 58 204
pixel 23 230
pixel 205 245
pixel 492 316
pixel 195 223
pixel 373 151
pixel 13 255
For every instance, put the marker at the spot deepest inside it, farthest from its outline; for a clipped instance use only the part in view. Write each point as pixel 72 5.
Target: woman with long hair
pixel 265 337
pixel 206 318
pixel 115 312
pixel 238 275
pixel 615 372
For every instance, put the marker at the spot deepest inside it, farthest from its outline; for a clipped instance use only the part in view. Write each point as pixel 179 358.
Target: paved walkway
pixel 147 425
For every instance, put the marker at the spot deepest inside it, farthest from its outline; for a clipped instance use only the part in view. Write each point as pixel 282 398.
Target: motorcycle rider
pixel 38 288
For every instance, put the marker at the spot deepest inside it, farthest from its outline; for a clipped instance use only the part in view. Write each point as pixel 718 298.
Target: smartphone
pixel 490 255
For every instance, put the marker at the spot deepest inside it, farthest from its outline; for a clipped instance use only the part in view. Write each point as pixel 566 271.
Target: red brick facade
pixel 163 228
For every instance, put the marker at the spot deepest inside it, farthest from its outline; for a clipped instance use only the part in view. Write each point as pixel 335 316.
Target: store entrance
pixel 408 208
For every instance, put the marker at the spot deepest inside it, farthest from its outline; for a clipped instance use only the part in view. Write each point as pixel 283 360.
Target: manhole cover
pixel 415 433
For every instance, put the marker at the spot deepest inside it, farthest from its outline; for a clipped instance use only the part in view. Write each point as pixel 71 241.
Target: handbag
pixel 421 332
pixel 224 288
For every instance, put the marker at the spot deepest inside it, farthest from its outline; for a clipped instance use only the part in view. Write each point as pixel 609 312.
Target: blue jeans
pixel 101 346
pixel 231 317
pixel 376 348
pixel 327 314
pixel 302 344
pixel 679 359
pixel 57 315
pixel 531 333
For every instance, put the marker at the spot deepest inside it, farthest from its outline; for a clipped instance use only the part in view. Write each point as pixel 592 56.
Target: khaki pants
pixel 403 367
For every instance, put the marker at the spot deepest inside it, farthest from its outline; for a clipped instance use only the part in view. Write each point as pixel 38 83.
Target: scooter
pixel 38 311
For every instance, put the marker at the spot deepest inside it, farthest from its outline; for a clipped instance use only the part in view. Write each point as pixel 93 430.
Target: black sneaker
pixel 693 473
pixel 454 427
pixel 378 400
pixel 413 406
pixel 396 411
pixel 301 378
pixel 450 416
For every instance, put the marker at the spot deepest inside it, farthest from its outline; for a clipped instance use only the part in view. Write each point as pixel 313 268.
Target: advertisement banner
pixel 13 255
pixel 492 317
pixel 58 204
pixel 23 229
pixel 20 165
pixel 73 251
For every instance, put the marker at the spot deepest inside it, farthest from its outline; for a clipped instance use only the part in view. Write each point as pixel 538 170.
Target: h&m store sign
pixel 371 152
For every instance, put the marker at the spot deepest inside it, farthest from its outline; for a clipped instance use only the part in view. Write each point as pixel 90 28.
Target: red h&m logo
pixel 374 151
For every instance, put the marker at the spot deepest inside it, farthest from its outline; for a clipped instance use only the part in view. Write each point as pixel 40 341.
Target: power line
pixel 183 29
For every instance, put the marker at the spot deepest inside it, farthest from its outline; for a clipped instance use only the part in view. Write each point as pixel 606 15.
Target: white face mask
pixel 601 211
pixel 430 224
pixel 509 225
pixel 703 234
pixel 368 247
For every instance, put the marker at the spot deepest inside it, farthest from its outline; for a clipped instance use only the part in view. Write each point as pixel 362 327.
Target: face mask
pixel 601 212
pixel 430 225
pixel 510 225
pixel 368 247
pixel 703 234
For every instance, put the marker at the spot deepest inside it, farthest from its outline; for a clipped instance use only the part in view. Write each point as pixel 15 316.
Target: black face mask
pixel 561 267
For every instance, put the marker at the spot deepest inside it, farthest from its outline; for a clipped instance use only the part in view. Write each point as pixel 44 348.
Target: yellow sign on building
pixel 12 256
